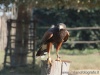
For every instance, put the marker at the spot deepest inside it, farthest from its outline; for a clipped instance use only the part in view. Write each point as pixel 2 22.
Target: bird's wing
pixel 43 46
pixel 47 36
pixel 66 37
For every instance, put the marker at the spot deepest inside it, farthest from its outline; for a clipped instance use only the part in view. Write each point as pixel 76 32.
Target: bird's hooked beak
pixel 68 33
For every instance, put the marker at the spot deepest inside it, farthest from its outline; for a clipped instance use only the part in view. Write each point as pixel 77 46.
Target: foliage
pixel 76 4
pixel 72 18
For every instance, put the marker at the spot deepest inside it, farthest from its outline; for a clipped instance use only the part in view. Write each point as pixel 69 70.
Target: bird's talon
pixel 49 61
pixel 58 59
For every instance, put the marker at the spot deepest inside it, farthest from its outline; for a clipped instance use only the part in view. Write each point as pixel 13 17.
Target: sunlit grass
pixel 1 59
pixel 86 59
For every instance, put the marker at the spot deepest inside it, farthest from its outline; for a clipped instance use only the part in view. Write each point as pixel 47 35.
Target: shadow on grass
pixel 26 70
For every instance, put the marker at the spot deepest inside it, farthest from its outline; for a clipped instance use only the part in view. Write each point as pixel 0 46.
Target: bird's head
pixel 61 26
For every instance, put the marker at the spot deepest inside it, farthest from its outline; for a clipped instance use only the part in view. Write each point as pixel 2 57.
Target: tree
pixel 25 5
pixel 75 4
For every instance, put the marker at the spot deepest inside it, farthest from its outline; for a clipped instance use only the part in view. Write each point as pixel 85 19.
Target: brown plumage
pixel 55 35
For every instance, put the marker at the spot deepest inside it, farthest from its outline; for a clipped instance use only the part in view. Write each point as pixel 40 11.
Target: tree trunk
pixel 19 56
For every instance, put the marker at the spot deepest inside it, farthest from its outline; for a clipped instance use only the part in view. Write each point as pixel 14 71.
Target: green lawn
pixel 80 60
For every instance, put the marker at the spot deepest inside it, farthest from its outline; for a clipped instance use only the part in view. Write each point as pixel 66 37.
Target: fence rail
pixel 74 28
pixel 83 42
pixel 83 28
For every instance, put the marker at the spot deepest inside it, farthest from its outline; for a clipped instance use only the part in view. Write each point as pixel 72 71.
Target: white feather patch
pixel 61 27
pixel 45 52
pixel 42 56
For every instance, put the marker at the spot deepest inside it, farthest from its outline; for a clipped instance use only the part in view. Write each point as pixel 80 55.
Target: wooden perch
pixel 57 68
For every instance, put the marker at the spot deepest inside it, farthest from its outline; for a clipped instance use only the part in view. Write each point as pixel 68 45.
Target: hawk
pixel 55 35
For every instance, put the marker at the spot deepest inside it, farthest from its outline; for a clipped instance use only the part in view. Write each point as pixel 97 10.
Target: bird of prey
pixel 55 35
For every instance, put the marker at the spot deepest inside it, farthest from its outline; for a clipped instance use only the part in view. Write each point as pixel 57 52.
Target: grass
pixel 80 60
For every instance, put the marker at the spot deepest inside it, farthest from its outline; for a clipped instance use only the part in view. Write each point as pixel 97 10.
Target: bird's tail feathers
pixel 42 50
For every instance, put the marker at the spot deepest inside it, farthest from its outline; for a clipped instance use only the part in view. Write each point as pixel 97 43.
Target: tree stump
pixel 57 67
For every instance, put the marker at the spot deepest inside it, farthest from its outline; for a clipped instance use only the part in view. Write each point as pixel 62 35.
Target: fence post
pixel 57 68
